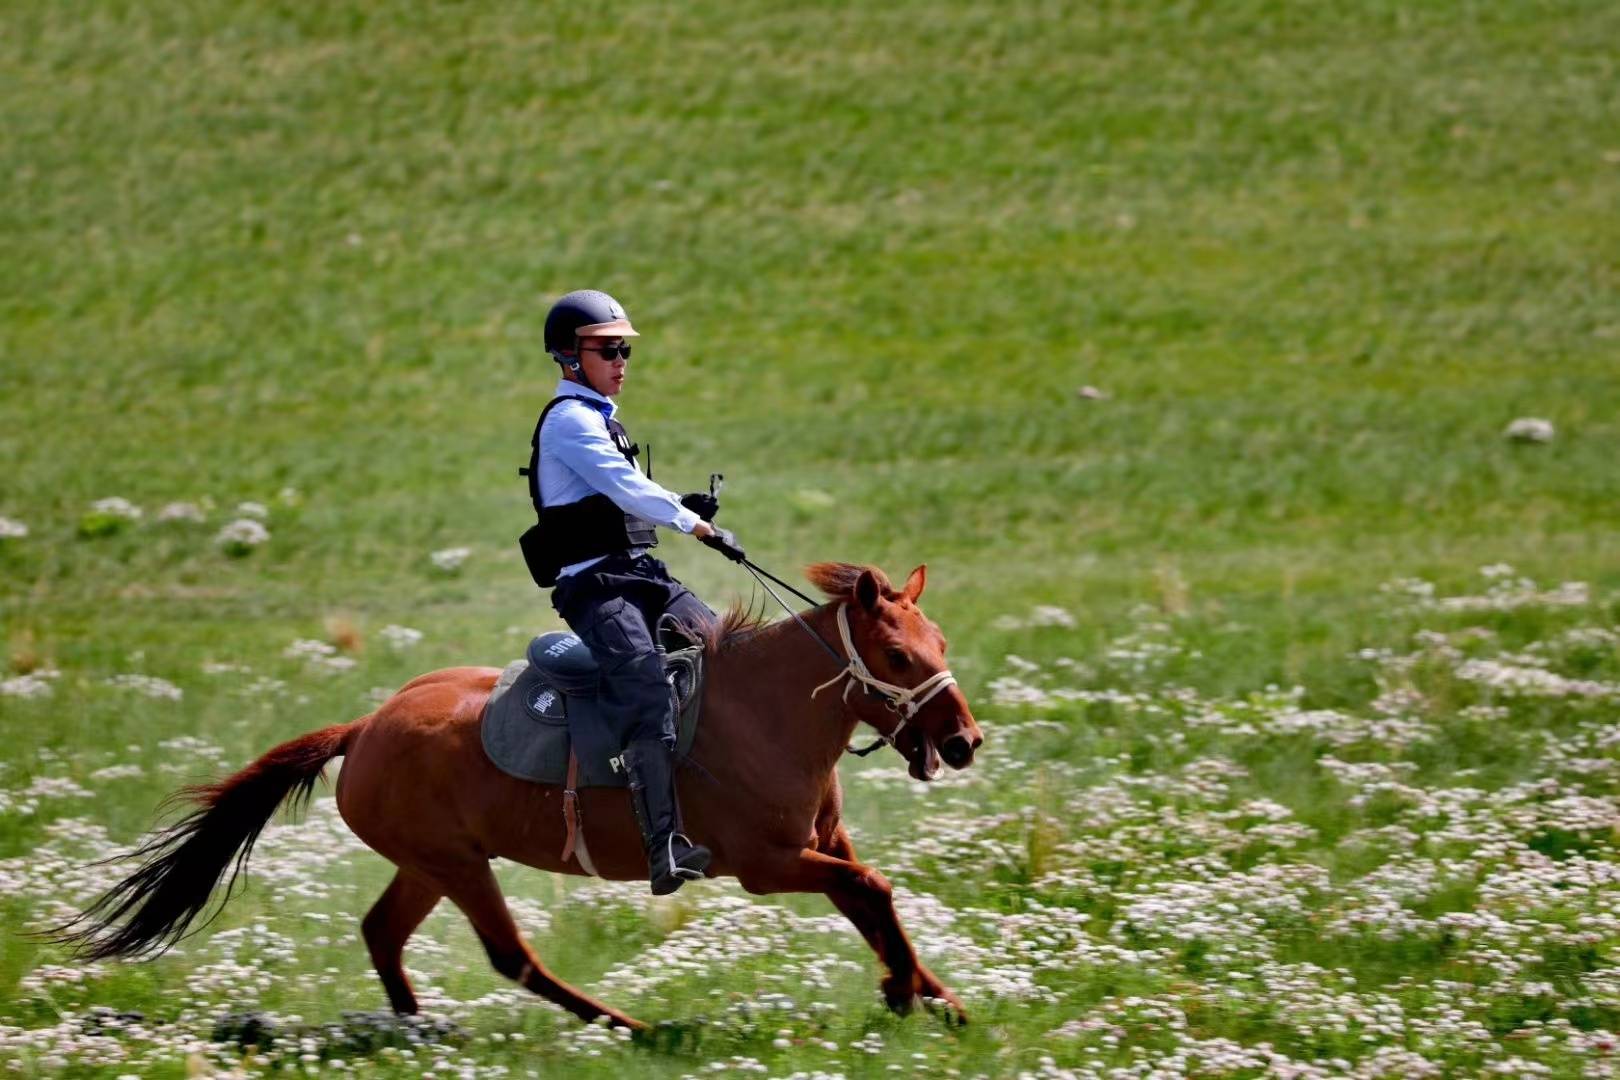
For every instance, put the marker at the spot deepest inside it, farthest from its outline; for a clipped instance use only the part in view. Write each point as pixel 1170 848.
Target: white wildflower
pixel 1519 680
pixel 255 510
pixel 400 637
pixel 1509 594
pixel 1051 615
pixel 191 745
pixel 241 536
pixel 1530 429
pixel 450 559
pixel 308 649
pixel 148 685
pixel 107 517
pixel 12 530
pixel 180 511
pixel 117 507
pixel 318 655
pixel 117 772
pixel 35 684
pixel 1040 615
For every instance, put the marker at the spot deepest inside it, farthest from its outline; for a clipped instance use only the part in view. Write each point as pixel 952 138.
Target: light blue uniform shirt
pixel 578 460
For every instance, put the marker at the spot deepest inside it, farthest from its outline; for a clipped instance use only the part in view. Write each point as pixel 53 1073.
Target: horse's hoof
pixel 948 1008
pixel 901 996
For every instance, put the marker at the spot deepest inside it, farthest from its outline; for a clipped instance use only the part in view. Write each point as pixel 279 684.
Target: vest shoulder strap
pixel 533 469
pixel 621 440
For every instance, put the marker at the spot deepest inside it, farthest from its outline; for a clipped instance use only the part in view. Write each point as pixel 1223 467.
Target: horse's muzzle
pixel 958 750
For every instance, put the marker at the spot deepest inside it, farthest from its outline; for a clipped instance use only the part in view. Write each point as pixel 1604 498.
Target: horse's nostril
pixel 957 751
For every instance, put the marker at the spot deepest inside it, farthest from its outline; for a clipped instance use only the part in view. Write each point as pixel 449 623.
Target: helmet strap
pixel 575 366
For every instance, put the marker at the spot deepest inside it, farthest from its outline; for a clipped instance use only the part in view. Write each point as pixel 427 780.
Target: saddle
pixel 548 706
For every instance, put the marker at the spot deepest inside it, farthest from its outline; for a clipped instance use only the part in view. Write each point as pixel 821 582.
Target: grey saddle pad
pixel 545 703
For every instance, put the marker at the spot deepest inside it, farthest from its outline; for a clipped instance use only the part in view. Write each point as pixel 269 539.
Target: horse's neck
pixel 765 682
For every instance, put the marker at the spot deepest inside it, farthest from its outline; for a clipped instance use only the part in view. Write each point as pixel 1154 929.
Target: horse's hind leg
pixel 478 895
pixel 386 927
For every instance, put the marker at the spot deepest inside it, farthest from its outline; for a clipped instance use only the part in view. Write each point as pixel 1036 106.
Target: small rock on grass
pixel 1529 429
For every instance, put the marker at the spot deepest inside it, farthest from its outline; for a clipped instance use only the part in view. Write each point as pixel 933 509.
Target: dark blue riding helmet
pixel 581 313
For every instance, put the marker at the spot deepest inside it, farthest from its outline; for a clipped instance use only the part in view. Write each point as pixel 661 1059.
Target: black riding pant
pixel 614 607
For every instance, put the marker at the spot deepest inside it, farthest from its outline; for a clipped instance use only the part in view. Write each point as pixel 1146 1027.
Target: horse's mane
pixel 739 621
pixel 835 579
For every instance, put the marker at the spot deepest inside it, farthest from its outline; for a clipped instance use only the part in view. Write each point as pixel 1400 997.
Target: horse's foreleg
pixel 478 895
pixel 867 900
pixel 872 912
pixel 389 924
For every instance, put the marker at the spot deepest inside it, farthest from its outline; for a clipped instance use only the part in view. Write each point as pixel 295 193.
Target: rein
pixel 904 702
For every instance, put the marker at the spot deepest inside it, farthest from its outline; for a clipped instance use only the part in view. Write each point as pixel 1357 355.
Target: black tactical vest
pixel 576 531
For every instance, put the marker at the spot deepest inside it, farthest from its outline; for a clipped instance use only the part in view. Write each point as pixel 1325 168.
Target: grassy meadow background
pixel 1314 258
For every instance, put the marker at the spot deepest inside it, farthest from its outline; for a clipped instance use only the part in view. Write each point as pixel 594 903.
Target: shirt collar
pixel 604 405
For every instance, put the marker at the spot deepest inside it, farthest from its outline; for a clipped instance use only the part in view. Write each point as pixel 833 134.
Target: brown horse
pixel 417 787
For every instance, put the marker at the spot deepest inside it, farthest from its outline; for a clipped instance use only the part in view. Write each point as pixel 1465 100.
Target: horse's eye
pixel 897 659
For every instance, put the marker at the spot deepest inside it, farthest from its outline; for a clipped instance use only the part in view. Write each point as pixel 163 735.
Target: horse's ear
pixel 868 590
pixel 915 583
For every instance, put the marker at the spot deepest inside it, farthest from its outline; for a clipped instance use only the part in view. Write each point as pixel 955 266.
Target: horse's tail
pixel 153 908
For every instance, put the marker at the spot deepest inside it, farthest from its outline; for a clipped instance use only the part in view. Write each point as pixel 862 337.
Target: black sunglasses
pixel 608 351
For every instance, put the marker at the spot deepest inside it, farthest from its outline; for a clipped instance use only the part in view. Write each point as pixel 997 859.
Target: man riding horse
pixel 597 514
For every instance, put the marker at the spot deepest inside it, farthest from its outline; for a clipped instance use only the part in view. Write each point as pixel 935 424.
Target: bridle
pixel 904 702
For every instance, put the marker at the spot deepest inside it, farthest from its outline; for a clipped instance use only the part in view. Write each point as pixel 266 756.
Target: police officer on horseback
pixel 597 514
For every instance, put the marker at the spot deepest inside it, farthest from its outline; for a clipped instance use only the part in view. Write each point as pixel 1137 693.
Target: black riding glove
pixel 723 541
pixel 702 504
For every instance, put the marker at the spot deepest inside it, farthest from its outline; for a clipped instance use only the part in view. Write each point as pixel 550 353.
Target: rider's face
pixel 605 370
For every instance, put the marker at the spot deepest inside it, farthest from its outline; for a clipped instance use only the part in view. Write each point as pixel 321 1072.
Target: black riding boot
pixel 672 859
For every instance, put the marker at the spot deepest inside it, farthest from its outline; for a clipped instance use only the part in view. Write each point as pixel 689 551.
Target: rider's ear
pixel 915 583
pixel 867 590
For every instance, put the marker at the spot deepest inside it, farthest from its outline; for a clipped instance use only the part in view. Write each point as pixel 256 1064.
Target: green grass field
pixel 1241 808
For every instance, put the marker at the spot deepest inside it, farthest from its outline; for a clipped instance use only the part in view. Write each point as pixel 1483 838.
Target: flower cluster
pixel 240 537
pixel 32 684
pixel 108 516
pixel 147 686
pixel 318 655
pixel 182 511
pixel 450 559
pixel 399 637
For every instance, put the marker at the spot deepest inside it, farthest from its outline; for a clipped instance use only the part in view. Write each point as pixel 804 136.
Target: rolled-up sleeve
pixel 578 436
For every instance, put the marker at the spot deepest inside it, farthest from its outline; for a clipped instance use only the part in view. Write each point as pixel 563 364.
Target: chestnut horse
pixel 417 787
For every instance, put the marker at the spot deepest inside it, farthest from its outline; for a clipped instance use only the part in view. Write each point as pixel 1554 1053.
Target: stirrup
pixel 675 874
pixel 693 871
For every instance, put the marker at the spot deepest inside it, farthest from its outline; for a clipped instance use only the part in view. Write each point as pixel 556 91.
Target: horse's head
pixel 903 649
